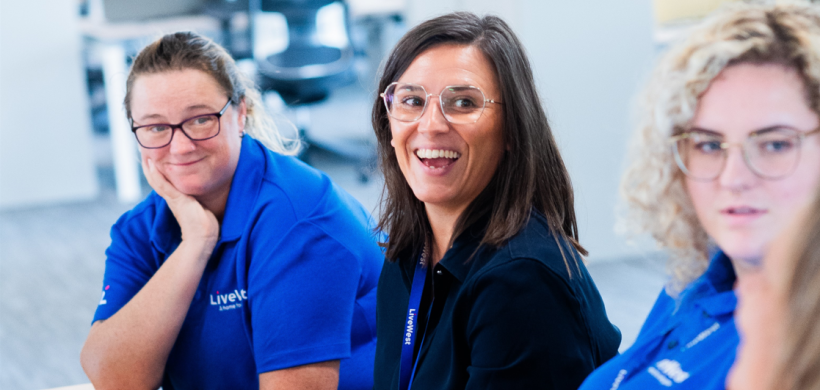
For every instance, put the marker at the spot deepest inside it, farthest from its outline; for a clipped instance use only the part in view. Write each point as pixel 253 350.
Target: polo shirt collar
pixel 165 232
pixel 245 186
pixel 460 257
pixel 713 292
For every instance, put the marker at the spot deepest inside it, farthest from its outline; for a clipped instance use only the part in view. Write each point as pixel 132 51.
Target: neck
pixel 442 222
pixel 743 267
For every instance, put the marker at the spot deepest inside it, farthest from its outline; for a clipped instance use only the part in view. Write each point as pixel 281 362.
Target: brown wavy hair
pixel 531 174
pixel 799 366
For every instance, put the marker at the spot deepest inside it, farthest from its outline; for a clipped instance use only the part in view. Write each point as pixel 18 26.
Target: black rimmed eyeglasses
pixel 197 128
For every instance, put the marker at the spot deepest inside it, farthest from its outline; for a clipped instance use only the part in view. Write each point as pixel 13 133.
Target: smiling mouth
pixel 185 164
pixel 437 158
pixel 743 211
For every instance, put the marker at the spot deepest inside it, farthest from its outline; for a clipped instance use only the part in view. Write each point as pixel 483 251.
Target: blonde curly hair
pixel 653 187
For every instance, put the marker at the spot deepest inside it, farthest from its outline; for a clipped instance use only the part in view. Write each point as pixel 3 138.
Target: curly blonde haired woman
pixel 724 156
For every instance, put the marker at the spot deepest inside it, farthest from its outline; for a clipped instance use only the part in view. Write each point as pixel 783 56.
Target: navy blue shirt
pixel 292 279
pixel 685 343
pixel 507 318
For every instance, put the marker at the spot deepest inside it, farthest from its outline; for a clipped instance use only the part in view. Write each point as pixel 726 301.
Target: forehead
pixel 747 97
pixel 445 65
pixel 176 86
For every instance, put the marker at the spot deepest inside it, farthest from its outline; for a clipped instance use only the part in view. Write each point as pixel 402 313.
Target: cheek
pixel 400 135
pixel 702 195
pixel 155 155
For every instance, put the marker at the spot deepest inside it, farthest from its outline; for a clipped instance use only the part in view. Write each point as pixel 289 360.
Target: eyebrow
pixel 187 109
pixel 758 131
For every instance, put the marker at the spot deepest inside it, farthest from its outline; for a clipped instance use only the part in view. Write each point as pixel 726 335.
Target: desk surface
pixel 86 386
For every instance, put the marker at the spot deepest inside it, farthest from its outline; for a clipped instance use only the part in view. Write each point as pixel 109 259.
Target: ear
pixel 243 114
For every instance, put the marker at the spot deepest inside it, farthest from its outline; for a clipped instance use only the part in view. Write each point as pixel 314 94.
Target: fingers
pixel 158 182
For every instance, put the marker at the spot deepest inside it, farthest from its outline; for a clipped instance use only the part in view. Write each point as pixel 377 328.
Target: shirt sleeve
pixel 302 290
pixel 129 264
pixel 526 330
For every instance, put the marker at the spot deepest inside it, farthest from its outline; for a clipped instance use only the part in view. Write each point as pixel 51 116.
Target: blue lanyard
pixel 408 368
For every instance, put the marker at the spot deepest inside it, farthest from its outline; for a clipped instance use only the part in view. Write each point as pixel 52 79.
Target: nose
pixel 180 143
pixel 432 121
pixel 736 175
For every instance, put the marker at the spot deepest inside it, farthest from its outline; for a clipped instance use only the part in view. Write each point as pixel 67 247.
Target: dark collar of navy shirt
pixel 445 362
pixel 457 260
pixel 245 186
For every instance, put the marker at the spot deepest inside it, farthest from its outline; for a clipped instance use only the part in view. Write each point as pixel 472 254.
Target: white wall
pixel 589 58
pixel 45 132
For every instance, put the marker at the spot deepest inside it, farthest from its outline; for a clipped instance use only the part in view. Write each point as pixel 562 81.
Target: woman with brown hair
pixel 778 312
pixel 245 268
pixel 726 152
pixel 484 287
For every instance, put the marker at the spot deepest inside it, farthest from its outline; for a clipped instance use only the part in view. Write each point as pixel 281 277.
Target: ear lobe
pixel 393 143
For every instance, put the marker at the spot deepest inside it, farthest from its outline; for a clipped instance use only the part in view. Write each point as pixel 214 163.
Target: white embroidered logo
pixel 672 370
pixel 706 333
pixel 618 380
pixel 229 301
pixel 102 298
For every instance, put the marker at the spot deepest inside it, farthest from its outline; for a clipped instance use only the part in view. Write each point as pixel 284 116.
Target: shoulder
pixel 290 181
pixel 303 204
pixel 143 216
pixel 543 249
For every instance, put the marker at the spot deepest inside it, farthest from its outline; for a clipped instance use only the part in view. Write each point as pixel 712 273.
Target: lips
pixel 742 211
pixel 437 158
pixel 187 163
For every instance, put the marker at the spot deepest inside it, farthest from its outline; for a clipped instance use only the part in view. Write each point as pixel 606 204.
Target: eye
pixel 707 146
pixel 412 101
pixel 157 128
pixel 203 120
pixel 776 146
pixel 465 102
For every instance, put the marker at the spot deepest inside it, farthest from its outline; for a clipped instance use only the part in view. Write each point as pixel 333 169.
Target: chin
pixel 744 250
pixel 433 196
pixel 190 187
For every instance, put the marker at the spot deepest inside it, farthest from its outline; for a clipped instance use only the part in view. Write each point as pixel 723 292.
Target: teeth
pixel 437 153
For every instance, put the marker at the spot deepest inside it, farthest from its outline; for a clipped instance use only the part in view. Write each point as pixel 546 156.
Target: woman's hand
pixel 198 224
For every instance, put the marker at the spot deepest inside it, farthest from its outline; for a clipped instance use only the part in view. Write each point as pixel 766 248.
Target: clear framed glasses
pixel 198 128
pixel 771 153
pixel 460 104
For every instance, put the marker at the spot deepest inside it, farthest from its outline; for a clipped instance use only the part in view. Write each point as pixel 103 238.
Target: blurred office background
pixel 69 168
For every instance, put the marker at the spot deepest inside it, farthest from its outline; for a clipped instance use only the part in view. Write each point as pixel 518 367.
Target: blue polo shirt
pixel 689 343
pixel 292 279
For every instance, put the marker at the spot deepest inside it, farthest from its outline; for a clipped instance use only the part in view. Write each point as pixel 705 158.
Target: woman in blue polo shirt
pixel 727 153
pixel 245 268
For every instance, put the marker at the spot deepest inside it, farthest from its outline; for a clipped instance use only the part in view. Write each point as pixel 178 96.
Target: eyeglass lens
pixel 460 104
pixel 197 128
pixel 772 154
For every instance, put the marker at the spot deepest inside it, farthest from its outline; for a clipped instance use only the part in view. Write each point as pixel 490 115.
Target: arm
pixel 130 349
pixel 526 330
pixel 302 289
pixel 317 376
